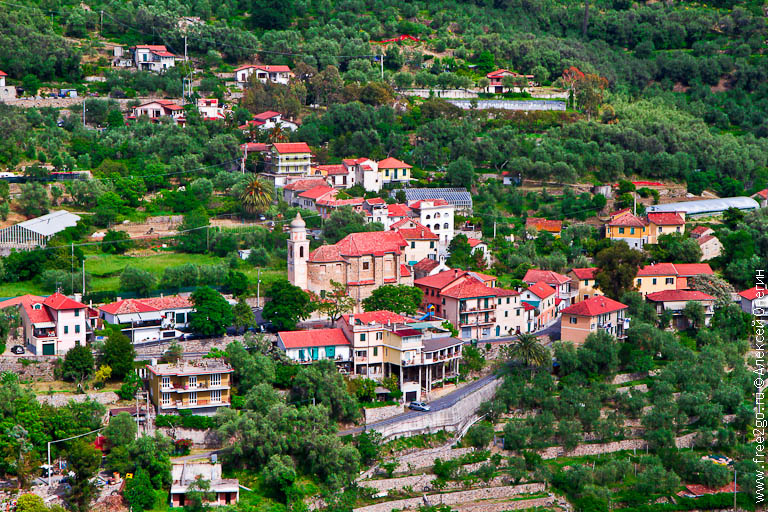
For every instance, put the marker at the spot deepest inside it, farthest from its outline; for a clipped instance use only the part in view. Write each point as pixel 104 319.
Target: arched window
pixel 445 226
pixel 437 215
pixel 301 251
pixel 428 217
pixel 427 226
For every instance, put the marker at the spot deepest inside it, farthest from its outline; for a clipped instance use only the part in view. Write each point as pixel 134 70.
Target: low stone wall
pixel 426 458
pixel 505 505
pixel 621 378
pixel 374 414
pixel 451 419
pixel 199 438
pixel 62 399
pixel 553 452
pixel 39 368
pixel 511 104
pixel 455 498
pixel 439 93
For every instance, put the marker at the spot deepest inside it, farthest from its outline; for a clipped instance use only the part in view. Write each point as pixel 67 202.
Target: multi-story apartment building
pixel 434 285
pixel 656 278
pixel 562 284
pixel 583 282
pixel 365 331
pixel 288 162
pixel 437 215
pixel 592 315
pixel 200 387
pixel 422 243
pixel 638 231
pixel 52 325
pixel 544 298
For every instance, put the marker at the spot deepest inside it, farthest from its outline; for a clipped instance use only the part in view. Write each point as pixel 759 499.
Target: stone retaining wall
pixel 40 369
pixel 553 452
pixel 503 506
pixel 426 458
pixel 455 498
pixel 62 399
pixel 374 414
pixel 200 438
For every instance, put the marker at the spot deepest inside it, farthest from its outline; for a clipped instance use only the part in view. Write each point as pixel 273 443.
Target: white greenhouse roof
pixel 706 205
pixel 52 223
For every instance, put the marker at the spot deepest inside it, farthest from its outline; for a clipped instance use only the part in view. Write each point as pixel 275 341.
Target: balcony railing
pixel 489 307
pixel 184 405
pixel 470 322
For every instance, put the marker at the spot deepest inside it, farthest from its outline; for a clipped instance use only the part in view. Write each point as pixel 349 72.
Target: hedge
pixel 186 421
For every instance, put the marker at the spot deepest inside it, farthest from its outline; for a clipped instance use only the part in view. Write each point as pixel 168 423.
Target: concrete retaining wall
pixel 451 419
pixel 439 93
pixel 511 104
pixel 375 414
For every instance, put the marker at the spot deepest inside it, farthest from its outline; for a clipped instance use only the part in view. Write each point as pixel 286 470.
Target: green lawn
pixel 105 270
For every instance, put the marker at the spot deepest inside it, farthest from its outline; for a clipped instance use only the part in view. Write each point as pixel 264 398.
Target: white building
pixel 157 109
pixel 151 319
pixel 288 162
pixel 267 121
pixel 276 74
pixel 150 57
pixel 437 215
pixel 366 172
pixel 36 232
pixel 478 245
pixel 210 109
pixel 755 302
pixel 308 346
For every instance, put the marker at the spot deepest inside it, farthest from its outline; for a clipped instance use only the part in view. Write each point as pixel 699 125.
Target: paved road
pixel 439 404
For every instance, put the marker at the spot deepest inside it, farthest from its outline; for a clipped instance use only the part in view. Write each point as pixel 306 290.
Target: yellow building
pixel 656 278
pixel 200 387
pixel 627 227
pixel 583 281
pixel 664 223
pixel 392 170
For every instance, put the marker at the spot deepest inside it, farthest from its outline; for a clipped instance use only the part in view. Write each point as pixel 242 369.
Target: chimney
pixel 455 272
pixel 351 319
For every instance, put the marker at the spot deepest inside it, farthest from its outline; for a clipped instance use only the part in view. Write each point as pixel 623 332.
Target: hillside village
pixel 376 256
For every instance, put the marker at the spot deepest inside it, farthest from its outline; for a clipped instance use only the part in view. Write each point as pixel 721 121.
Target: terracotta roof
pixel 467 289
pixel 700 230
pixel 751 294
pixel 393 163
pixel 326 253
pixel 541 289
pixel 617 212
pixel 704 239
pixel 504 292
pixel 291 147
pixel 527 306
pixel 3 73
pixel 678 295
pixel 313 338
pixel 168 302
pixel 416 205
pixel 659 269
pixel 585 273
pixel 377 317
pixel 594 306
pixel 406 222
pixel 15 301
pixel 37 316
pixel 375 200
pixel 371 243
pixel 161 53
pixel 627 220
pixel 397 210
pixel 666 219
pixel 317 192
pixel 505 72
pixel 474 242
pixel 155 47
pixel 425 265
pixel 404 270
pixel 254 146
pixel 127 306
pixel 700 490
pixel 763 193
pixel 59 302
pixel 692 269
pixel 540 224
pixel 269 114
pixel 535 275
pixel 446 277
pixel 415 232
pixel 337 169
pixel 274 69
pixel 336 203
pixel 304 185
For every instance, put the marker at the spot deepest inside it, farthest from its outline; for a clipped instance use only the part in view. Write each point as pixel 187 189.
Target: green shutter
pixel 330 352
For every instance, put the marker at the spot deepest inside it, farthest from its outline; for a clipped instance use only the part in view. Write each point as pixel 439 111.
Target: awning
pixel 44 325
pixel 151 315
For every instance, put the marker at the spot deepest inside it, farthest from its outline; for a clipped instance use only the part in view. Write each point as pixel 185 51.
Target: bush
pixel 187 421
pixel 480 434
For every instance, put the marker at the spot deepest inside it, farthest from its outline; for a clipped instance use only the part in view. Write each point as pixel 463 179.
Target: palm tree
pixel 257 195
pixel 277 134
pixel 527 350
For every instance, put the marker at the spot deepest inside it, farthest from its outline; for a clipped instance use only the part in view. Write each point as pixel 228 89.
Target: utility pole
pixel 101 23
pixel 258 287
pixel 381 59
pixel 83 278
pixel 72 275
pixel 494 229
pixel 83 112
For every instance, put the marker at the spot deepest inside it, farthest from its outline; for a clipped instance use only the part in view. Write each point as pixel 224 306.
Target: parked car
pixel 17 349
pixel 419 406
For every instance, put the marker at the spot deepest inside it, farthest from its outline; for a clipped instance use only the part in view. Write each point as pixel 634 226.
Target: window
pixel 301 354
pixel 165 382
pixel 586 296
pixel 518 313
pixel 621 231
pixel 506 314
pixel 653 281
pixel 379 335
pixel 573 320
pixel 193 398
pixel 192 381
pixel 669 280
pixel 445 226
pixel 437 215
pixel 413 245
pixel 366 265
pixel 375 351
pixel 362 336
pixel 330 352
pixel 586 282
pixel 77 312
pixel 165 398
pixel 301 251
pixel 507 300
pixel 639 282
pixel 661 229
pixel 216 396
pixel 428 217
pixel 66 329
pixel 216 379
pixel 431 245
pixel 77 329
pixel 631 231
pixel 499 301
pixel 181 318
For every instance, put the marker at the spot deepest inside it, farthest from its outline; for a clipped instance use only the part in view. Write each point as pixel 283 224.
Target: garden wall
pixel 375 414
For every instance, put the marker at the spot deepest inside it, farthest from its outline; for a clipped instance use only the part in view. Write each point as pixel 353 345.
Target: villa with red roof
pixel 544 298
pixel 675 302
pixel 267 121
pixel 761 197
pixel 637 231
pixel 436 214
pixel 365 171
pixel 2 78
pixel 583 283
pixel 376 210
pixel 292 190
pixel 275 74
pixel 496 78
pixel 592 315
pixel 668 276
pixel 157 109
pixel 288 162
pixel 151 57
pixel 52 325
pixel 308 346
pixel 151 319
pixel 755 302
pixel 554 227
pixel 338 175
pixel 360 261
pixel 422 243
pixel 561 283
pixel 392 170
pixel 708 243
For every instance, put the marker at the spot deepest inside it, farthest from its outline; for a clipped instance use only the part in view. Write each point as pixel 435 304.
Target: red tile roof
pixel 541 289
pixel 700 490
pixel 666 219
pixel 585 273
pixel 393 163
pixel 527 306
pixel 751 294
pixel 541 224
pixel 156 47
pixel 313 338
pixel 317 192
pixel 415 232
pixel 551 278
pixel 468 289
pixel 692 269
pixel 254 146
pixel 2 73
pixel 763 193
pixel 61 302
pixel 37 316
pixel 594 306
pixel 503 292
pixel 704 239
pixel 375 200
pixel 404 333
pixel 269 114
pixel 377 317
pixel 474 242
pixel 304 185
pixel 617 212
pixel 404 270
pixel 397 210
pixel 127 306
pixel 647 184
pixel 700 230
pixel 15 301
pixel 446 277
pixel 425 265
pixel 291 147
pixel 161 53
pixel 627 220
pixel 435 202
pixel 678 295
pixel 168 302
pixel 337 203
pixel 326 253
pixel 333 169
pixel 659 269
pixel 375 243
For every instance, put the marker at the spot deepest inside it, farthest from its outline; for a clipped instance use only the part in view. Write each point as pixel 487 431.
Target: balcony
pixel 479 321
pixel 199 403
pixel 464 309
pixel 43 333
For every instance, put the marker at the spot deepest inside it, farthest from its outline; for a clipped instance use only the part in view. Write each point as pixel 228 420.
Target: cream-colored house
pixel 199 387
